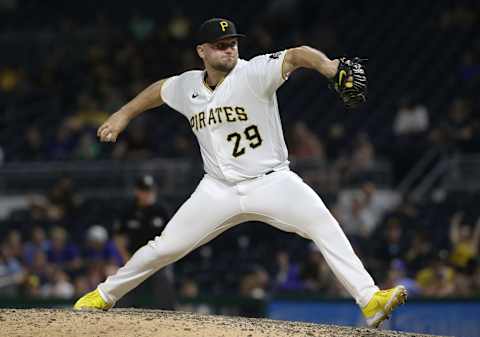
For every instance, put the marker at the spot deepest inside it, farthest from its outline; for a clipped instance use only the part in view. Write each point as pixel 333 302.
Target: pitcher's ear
pixel 200 50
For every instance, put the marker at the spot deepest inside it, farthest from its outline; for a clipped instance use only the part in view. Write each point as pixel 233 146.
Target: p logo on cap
pixel 216 29
pixel 223 25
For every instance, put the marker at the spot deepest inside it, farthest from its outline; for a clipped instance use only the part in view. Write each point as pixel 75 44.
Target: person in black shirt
pixel 141 221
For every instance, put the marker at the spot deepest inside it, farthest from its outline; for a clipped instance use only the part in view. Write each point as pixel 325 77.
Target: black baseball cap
pixel 145 183
pixel 216 29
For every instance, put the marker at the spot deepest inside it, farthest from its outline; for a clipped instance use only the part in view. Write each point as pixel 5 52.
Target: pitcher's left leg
pixel 291 205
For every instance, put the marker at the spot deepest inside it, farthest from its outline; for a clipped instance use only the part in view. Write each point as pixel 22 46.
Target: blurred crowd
pixel 79 68
pixel 53 266
pixel 52 249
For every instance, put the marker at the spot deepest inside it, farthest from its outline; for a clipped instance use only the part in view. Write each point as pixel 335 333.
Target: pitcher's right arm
pixel 147 99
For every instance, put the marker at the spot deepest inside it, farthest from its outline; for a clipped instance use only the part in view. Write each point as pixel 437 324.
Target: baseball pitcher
pixel 232 109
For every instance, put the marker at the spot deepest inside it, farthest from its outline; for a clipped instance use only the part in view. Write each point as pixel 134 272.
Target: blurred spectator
pixel 87 116
pixel 11 272
pixel 314 270
pixel 189 293
pixel 363 156
pixel 397 274
pixel 464 285
pixel 38 275
pixel 99 249
pixel 360 211
pixel 316 275
pixel 37 243
pixel 10 79
pixel 358 168
pixel 87 148
pixel 458 126
pixel 464 240
pixel 337 139
pixel 63 200
pixel 255 284
pixel 59 285
pixel 411 119
pixel 419 251
pixel 14 243
pixel 62 252
pixel 37 208
pixel 286 273
pixel 305 143
pixel 438 278
pixel 393 244
pixel 189 289
pixel 354 220
pixel 456 130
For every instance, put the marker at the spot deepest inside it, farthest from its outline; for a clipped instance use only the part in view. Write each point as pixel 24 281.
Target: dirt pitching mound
pixel 153 323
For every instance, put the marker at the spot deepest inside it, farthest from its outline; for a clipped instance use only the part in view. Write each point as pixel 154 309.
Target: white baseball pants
pixel 280 199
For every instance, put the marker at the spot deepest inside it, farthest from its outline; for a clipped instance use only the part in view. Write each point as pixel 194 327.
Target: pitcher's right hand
pixel 114 125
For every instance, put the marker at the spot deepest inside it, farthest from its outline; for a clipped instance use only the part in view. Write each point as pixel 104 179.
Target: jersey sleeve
pixel 171 93
pixel 264 73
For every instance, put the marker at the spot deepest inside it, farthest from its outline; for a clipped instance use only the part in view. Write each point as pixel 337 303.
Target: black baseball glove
pixel 350 82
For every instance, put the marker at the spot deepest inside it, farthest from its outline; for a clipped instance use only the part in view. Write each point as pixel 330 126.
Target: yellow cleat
pixel 92 301
pixel 382 304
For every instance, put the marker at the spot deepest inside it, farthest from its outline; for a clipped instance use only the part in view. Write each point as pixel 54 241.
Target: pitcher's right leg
pixel 210 210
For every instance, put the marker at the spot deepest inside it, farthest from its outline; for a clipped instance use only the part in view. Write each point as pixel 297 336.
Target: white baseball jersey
pixel 238 124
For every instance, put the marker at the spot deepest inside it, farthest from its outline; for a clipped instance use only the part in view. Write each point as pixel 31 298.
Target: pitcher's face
pixel 221 55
